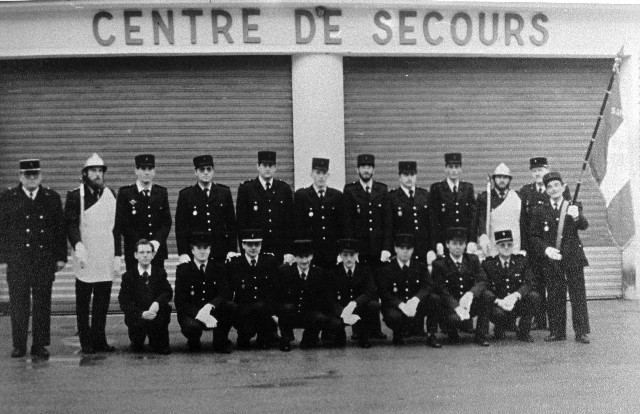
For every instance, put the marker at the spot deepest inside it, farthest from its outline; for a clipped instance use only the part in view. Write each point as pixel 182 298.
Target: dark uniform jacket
pixel 32 230
pixel 367 217
pixel 360 287
pixel 137 218
pixel 455 283
pixel 517 278
pixel 319 221
pixel 271 211
pixel 136 296
pixel 532 199
pixel 413 217
pixel 310 295
pixel 194 290
pixel 215 215
pixel 72 213
pixel 449 211
pixel 397 285
pixel 252 284
pixel 544 229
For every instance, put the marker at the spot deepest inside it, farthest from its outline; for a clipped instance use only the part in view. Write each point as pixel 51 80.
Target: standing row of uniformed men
pixel 365 213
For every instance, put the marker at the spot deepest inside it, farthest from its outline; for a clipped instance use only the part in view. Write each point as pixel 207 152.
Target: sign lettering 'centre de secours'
pixel 136 27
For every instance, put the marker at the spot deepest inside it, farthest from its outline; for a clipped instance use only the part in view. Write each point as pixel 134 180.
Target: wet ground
pixel 507 377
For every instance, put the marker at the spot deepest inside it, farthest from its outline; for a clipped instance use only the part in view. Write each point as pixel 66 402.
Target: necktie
pixel 367 189
pixel 411 195
pixel 253 262
pixel 202 269
pixel 458 265
pixel 206 192
pixel 268 185
pixel 556 206
pixel 405 268
pixel 145 277
pixel 31 195
pixel 455 190
pixel 505 265
pixel 303 276
pixel 501 192
pixel 321 195
pixel 98 195
pixel 349 273
pixel 540 190
pixel 146 194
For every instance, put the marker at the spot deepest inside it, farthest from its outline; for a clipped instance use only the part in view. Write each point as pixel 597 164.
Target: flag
pixel 611 166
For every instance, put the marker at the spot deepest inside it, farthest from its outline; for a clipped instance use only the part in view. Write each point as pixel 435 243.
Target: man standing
pixel 90 214
pixel 510 284
pixel 144 298
pixel 453 204
pixel 554 236
pixel 406 290
pixel 534 195
pixel 251 278
pixel 267 203
pixel 206 207
pixel 143 213
pixel 505 207
pixel 463 282
pixel 203 298
pixel 34 246
pixel 318 215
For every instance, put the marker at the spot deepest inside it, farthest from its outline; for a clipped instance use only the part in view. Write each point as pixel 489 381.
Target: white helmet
pixel 502 169
pixel 94 161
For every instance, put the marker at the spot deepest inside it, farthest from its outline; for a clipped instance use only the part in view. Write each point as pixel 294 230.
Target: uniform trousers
pixel 397 321
pixel 558 280
pixel 192 328
pixel 25 283
pixel 541 288
pixel 480 307
pixel 253 318
pixel 92 336
pixel 525 308
pixel 313 322
pixel 156 329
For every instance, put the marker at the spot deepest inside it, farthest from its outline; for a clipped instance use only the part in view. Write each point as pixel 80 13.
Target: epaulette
pixel 222 185
pixel 351 184
pixel 380 184
pixel 269 254
pixel 160 187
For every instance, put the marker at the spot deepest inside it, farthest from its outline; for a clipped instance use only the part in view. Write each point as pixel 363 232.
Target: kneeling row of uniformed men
pixel 255 294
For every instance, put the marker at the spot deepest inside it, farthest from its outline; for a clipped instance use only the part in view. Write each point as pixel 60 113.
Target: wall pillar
pixel 318 116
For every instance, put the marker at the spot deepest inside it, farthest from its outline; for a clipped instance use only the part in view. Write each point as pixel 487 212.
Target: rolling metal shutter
pixel 491 110
pixel 63 110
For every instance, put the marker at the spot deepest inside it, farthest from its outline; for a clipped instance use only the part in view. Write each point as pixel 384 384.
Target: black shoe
pixel 364 343
pixel 105 348
pixel 379 335
pixel 194 345
pixel 285 346
pixel 498 334
pixel 307 344
pixel 39 352
pixel 583 339
pixel 539 326
pixel 223 347
pixel 137 348
pixel 481 340
pixel 555 338
pixel 88 350
pixel 162 351
pixel 263 344
pixel 433 341
pixel 453 337
pixel 398 339
pixel 18 353
pixel 525 338
pixel 243 343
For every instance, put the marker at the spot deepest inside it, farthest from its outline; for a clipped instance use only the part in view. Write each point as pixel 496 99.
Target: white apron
pixel 506 217
pixel 96 230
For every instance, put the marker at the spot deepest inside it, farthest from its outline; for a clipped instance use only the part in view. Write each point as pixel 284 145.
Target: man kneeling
pixel 144 298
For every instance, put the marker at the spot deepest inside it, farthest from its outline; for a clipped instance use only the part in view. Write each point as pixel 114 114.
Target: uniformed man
pixel 554 236
pixel 90 215
pixel 302 297
pixel 266 203
pixel 453 204
pixel 143 213
pixel 251 278
pixel 505 208
pixel 511 283
pixel 203 298
pixel 464 283
pixel 367 214
pixel 206 207
pixel 534 195
pixel 144 298
pixel 34 246
pixel 318 215
pixel 354 293
pixel 407 290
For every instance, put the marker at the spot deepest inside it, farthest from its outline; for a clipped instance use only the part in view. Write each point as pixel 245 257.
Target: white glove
pixel 288 258
pixel 462 313
pixel 155 307
pixel 472 248
pixel 439 249
pixel 81 254
pixel 553 253
pixel 404 308
pixel 211 322
pixel 156 245
pixel 275 318
pixel 184 258
pixel 510 300
pixel 522 252
pixel 466 300
pixel 483 242
pixel 339 259
pixel 204 316
pixel 502 304
pixel 431 256
pixel 148 315
pixel 351 306
pixel 412 304
pixel 231 255
pixel 573 212
pixel 350 319
pixel 385 256
pixel 117 264
pixel 347 314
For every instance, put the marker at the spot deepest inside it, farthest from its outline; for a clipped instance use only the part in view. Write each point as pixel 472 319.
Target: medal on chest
pixel 255 207
pixel 399 212
pixel 546 226
pixel 310 213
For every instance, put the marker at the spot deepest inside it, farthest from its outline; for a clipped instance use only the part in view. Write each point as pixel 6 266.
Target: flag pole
pixel 614 71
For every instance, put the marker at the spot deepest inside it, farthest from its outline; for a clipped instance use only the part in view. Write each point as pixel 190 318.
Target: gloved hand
pixel 439 249
pixel 502 304
pixel 472 248
pixel 156 245
pixel 462 313
pixel 466 300
pixel 231 255
pixel 510 300
pixel 184 258
pixel 573 211
pixel 404 308
pixel 275 318
pixel 81 254
pixel 204 316
pixel 339 259
pixel 522 252
pixel 348 310
pixel 412 305
pixel 155 307
pixel 483 242
pixel 60 265
pixel 350 319
pixel 288 258
pixel 553 253
pixel 148 315
pixel 385 255
pixel 117 264
pixel 431 256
